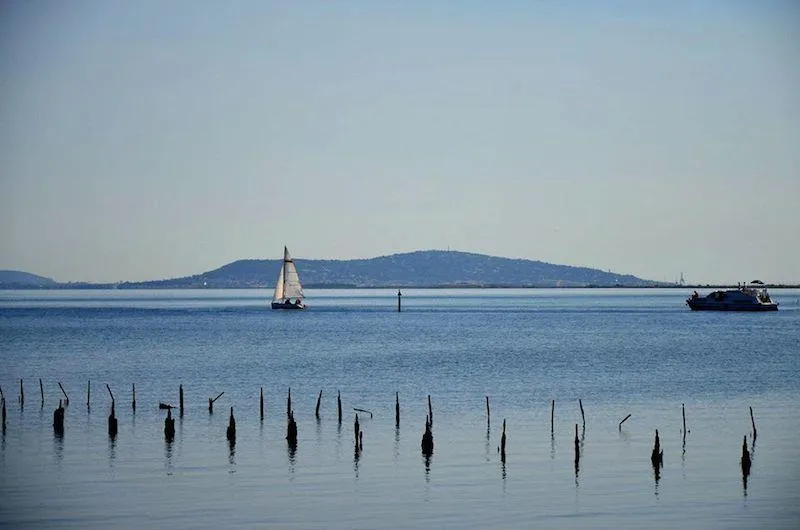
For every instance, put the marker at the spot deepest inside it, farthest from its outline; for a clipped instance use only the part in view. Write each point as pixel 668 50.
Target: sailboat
pixel 288 286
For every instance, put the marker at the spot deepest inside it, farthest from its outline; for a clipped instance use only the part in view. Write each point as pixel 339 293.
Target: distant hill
pixel 23 280
pixel 424 268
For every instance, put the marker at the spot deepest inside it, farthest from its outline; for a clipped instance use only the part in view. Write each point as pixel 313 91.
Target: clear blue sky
pixel 150 139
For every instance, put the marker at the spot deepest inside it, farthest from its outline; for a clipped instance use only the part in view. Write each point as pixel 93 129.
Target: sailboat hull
pixel 287 305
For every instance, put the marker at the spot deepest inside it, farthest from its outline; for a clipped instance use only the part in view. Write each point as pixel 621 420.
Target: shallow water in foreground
pixel 638 352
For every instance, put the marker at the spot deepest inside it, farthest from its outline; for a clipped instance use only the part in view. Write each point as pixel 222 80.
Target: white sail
pixel 288 284
pixel 291 280
pixel 279 287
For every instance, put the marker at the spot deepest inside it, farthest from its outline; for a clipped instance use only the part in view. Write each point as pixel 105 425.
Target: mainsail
pixel 288 285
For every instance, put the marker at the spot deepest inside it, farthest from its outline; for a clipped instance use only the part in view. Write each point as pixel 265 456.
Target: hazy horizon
pixel 153 140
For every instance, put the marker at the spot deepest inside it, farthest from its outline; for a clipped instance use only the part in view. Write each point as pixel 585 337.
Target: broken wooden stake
pixel 656 457
pixel 169 426
pixel 623 421
pixel 180 398
pixel 289 403
pixel 291 431
pixel 230 433
pixel 112 422
pixel 430 411
pixel 746 461
pixel 427 439
pixel 133 403
pixel 339 405
pixel 503 443
pixel 58 419
pixel 583 418
pixel 753 423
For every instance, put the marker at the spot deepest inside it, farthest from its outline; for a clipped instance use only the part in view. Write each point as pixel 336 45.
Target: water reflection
pixel 396 452
pixel 168 456
pixel 488 444
pixel 232 456
pixel 552 446
pixel 291 451
pixel 356 458
pixel 428 458
pixel 112 451
pixel 58 446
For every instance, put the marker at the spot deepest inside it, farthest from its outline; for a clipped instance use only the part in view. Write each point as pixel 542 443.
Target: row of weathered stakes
pixel 426 445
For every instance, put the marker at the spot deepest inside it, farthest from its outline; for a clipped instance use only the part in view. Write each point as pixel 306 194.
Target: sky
pixel 148 140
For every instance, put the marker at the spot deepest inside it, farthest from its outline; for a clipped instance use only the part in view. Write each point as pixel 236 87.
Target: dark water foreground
pixel 621 352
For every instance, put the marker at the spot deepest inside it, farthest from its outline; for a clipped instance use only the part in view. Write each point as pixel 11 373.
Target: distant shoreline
pixel 133 286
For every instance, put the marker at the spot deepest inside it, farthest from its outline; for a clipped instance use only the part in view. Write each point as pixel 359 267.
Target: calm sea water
pixel 637 352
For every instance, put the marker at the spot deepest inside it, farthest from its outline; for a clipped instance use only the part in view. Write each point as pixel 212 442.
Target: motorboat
pixel 749 297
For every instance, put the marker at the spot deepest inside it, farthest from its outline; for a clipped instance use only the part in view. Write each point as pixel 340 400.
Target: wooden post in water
pixel 427 439
pixel 746 461
pixel 41 390
pixel 180 398
pixel 488 412
pixel 399 295
pixel 289 403
pixel 291 431
pixel 577 447
pixel 112 418
pixel 58 419
pixel 753 422
pixel 339 404
pixel 319 400
pixel 503 443
pixel 683 414
pixel 66 397
pixel 21 394
pixel 133 403
pixel 583 418
pixel 261 404
pixel 230 433
pixel 3 400
pixel 88 393
pixel 656 457
pixel 430 411
pixel 397 409
pixel 623 421
pixel 169 426
pixel 552 414
pixel 211 402
pixel 356 428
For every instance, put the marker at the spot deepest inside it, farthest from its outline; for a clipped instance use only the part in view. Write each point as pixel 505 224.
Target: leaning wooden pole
pixel 112 418
pixel 319 401
pixel 41 390
pixel 623 421
pixel 66 397
pixel 683 414
pixel 583 418
pixel 753 423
